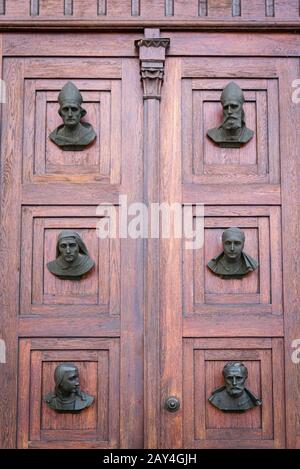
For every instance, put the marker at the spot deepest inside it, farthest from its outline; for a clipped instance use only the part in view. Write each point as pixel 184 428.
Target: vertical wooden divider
pixel 171 258
pixel 152 51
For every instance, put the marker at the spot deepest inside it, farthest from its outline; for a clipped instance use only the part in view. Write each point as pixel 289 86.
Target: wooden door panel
pixel 260 292
pixel 203 161
pixel 44 191
pixel 250 187
pixel 203 361
pixel 98 362
pixel 46 162
pixel 41 292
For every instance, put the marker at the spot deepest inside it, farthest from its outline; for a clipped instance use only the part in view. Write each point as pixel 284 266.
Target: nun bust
pixel 72 258
pixel 233 262
pixel 232 133
pixel 67 396
pixel 72 135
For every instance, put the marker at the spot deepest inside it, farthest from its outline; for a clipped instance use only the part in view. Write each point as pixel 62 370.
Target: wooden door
pixel 151 321
pixel 95 323
pixel 207 321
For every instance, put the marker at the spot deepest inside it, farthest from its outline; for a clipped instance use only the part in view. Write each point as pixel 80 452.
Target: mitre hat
pixel 232 92
pixel 70 93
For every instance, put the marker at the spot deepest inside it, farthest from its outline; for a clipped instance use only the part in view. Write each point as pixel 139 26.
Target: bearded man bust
pixel 232 133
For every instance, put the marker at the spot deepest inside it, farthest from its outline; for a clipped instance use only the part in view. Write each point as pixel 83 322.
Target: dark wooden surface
pixel 260 309
pixel 151 321
pixel 40 185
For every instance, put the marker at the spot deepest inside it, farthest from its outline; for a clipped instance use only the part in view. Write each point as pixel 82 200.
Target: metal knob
pixel 172 404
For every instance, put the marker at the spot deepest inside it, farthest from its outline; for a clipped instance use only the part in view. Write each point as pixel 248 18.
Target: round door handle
pixel 172 404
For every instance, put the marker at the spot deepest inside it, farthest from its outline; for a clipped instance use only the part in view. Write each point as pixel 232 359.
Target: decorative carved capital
pixel 152 77
pixel 152 60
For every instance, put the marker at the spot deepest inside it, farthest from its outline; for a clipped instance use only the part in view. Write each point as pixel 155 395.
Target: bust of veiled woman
pixel 72 258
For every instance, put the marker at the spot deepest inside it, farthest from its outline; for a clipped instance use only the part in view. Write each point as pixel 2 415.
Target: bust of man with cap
pixel 72 135
pixel 67 396
pixel 233 132
pixel 72 257
pixel 232 262
pixel 234 396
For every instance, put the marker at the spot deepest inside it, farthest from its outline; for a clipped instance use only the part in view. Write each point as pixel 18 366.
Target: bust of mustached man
pixel 232 132
pixel 234 396
pixel 72 135
pixel 72 258
pixel 67 396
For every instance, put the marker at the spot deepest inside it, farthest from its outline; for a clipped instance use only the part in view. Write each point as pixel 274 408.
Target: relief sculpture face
pixel 72 257
pixel 234 396
pixel 67 396
pixel 233 132
pixel 73 135
pixel 232 262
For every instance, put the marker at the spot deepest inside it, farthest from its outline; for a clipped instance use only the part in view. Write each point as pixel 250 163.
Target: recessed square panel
pixel 98 291
pixel 206 426
pixel 44 161
pixel 96 426
pixel 204 161
pixel 259 291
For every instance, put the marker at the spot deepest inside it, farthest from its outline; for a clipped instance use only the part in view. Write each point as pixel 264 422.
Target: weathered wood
pixel 98 364
pixel 217 325
pixel 194 13
pixel 290 173
pixel 132 273
pixel 151 253
pixel 10 241
pixel 170 259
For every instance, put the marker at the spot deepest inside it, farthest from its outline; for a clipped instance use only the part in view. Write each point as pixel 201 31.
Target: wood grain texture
pixel 151 253
pixel 10 239
pixel 169 7
pixel 2 7
pixel 135 7
pixel 170 259
pixel 203 363
pixel 68 7
pixel 132 270
pixel 101 13
pixel 290 173
pixel 98 364
pixel 104 306
pixel 102 7
pixel 34 7
pixel 202 8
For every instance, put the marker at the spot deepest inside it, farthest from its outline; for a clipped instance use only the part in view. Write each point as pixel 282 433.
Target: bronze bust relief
pixel 233 132
pixel 72 135
pixel 67 396
pixel 234 396
pixel 232 262
pixel 72 258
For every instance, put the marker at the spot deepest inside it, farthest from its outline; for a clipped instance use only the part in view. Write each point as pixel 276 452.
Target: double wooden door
pixel 150 321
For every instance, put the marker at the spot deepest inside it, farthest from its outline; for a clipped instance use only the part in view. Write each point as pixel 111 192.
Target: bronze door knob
pixel 172 404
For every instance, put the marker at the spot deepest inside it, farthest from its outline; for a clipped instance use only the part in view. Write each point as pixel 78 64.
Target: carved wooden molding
pixel 152 60
pixel 152 74
pixel 153 42
pixel 234 14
